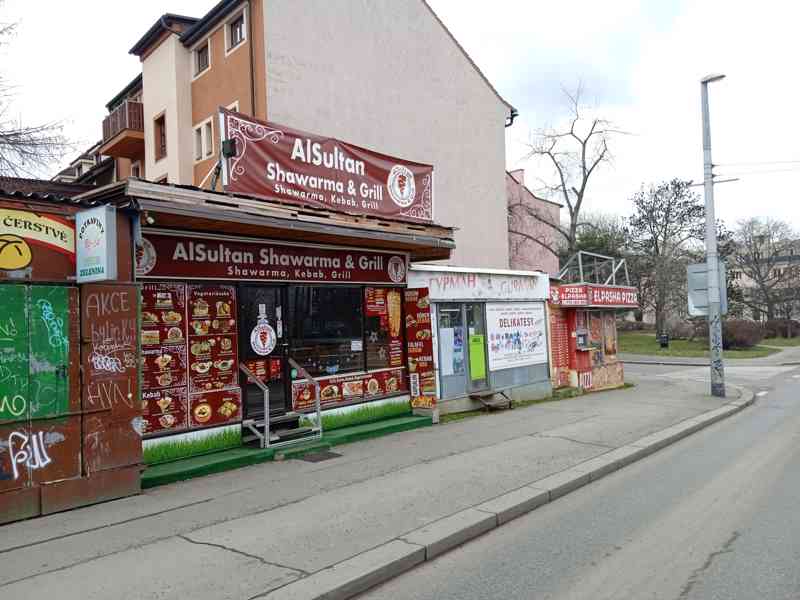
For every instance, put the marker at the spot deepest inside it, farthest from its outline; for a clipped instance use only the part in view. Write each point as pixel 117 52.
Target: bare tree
pixel 26 150
pixel 667 219
pixel 569 156
pixel 764 257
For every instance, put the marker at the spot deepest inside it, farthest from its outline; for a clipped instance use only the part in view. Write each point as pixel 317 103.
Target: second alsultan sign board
pixel 276 162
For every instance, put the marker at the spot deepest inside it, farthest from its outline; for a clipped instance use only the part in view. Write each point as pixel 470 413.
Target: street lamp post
pixel 714 316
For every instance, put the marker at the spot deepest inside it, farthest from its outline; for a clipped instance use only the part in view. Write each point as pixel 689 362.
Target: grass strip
pixel 647 344
pixel 168 451
pixel 362 415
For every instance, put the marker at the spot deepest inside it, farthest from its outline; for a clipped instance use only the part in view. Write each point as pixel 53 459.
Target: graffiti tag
pixel 54 325
pixel 105 362
pixel 8 330
pixel 31 451
pixel 13 405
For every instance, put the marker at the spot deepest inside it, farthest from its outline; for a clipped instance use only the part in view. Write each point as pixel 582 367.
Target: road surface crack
pixel 569 439
pixel 698 573
pixel 242 553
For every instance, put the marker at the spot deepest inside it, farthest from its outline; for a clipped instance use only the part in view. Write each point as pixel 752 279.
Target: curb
pixel 664 363
pixel 359 573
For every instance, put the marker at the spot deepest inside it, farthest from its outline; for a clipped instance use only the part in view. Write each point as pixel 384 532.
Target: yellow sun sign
pixel 19 229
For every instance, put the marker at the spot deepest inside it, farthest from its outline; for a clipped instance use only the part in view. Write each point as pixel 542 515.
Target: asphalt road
pixel 715 516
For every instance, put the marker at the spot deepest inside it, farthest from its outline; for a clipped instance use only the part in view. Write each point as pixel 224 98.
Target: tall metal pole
pixel 714 316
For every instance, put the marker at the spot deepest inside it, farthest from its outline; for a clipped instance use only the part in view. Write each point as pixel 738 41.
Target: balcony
pixel 123 131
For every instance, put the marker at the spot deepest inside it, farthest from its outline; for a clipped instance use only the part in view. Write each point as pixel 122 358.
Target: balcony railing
pixel 128 115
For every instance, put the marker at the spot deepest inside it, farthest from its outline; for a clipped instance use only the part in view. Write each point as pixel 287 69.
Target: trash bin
pixel 663 340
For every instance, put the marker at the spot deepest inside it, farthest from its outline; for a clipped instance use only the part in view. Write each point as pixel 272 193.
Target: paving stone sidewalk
pixel 244 533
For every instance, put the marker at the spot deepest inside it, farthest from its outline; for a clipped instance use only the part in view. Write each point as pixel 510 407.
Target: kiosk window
pixel 327 328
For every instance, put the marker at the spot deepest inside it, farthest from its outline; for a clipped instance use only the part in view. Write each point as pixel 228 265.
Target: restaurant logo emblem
pixel 401 186
pixel 263 338
pixel 145 257
pixel 397 269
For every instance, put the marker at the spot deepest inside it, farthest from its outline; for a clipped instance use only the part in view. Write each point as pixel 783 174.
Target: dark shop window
pixel 327 328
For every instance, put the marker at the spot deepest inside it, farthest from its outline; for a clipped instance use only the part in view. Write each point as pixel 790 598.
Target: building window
pixel 327 328
pixel 198 143
pixel 136 170
pixel 204 140
pixel 160 137
pixel 202 58
pixel 209 138
pixel 236 31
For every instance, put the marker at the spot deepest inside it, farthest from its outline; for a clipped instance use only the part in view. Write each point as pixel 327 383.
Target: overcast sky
pixel 640 63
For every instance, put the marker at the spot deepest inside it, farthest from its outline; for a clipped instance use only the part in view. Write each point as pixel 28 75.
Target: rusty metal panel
pixel 100 487
pixel 60 451
pixel 19 504
pixel 110 359
pixel 14 473
pixel 111 444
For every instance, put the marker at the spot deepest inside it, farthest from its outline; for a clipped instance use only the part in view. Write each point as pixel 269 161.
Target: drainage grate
pixel 315 457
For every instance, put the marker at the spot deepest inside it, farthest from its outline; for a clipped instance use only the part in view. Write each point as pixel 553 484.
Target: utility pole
pixel 714 316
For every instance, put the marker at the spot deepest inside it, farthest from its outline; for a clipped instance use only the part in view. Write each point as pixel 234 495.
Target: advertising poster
pixel 384 312
pixel 422 375
pixel 164 367
pixel 517 334
pixel 347 389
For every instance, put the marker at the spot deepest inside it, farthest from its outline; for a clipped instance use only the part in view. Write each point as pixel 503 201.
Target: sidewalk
pixel 787 356
pixel 244 533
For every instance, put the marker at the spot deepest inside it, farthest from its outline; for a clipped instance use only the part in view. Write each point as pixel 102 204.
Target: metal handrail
pixel 306 375
pixel 264 439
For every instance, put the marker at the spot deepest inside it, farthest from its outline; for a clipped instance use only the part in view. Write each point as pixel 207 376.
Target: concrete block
pixel 354 575
pixel 514 504
pixel 600 466
pixel 440 536
pixel 562 483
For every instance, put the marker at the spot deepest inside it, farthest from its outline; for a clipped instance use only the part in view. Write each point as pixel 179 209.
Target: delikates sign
pixel 179 256
pixel 277 162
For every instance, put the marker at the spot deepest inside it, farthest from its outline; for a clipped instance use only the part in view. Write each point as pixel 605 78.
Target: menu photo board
pixel 421 371
pixel 347 389
pixel 164 367
pixel 384 309
pixel 213 355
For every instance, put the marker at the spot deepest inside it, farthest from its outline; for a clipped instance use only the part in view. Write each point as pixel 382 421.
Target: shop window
pixel 327 329
pixel 452 357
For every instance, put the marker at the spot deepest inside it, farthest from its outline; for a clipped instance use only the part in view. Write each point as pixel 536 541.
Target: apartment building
pixel 384 74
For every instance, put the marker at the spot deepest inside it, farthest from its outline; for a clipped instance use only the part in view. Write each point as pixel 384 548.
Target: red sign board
pixel 347 389
pixel 611 296
pixel 166 255
pixel 277 162
pixel 421 373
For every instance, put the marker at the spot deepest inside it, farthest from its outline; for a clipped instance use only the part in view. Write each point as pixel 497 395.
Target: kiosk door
pixel 264 344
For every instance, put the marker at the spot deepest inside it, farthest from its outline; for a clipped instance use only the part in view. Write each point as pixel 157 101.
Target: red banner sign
pixel 421 374
pixel 276 162
pixel 347 389
pixel 612 296
pixel 201 258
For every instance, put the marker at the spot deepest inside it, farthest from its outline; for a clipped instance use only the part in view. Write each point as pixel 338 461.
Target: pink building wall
pixel 528 248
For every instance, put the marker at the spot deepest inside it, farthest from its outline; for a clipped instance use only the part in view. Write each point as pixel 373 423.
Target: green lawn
pixel 635 342
pixel 783 342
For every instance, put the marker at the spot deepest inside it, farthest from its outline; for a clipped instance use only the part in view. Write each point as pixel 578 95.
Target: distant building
pixel 532 243
pixel 90 168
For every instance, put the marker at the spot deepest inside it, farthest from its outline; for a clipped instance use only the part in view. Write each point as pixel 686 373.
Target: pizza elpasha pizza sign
pixel 276 162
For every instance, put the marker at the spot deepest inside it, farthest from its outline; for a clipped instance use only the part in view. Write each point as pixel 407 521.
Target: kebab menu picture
pixel 164 369
pixel 213 361
pixel 189 347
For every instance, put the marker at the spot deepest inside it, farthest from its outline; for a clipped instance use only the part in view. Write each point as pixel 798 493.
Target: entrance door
pixel 478 379
pixel 263 347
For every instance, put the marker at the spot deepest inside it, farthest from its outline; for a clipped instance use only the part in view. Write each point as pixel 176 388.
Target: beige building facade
pixel 386 75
